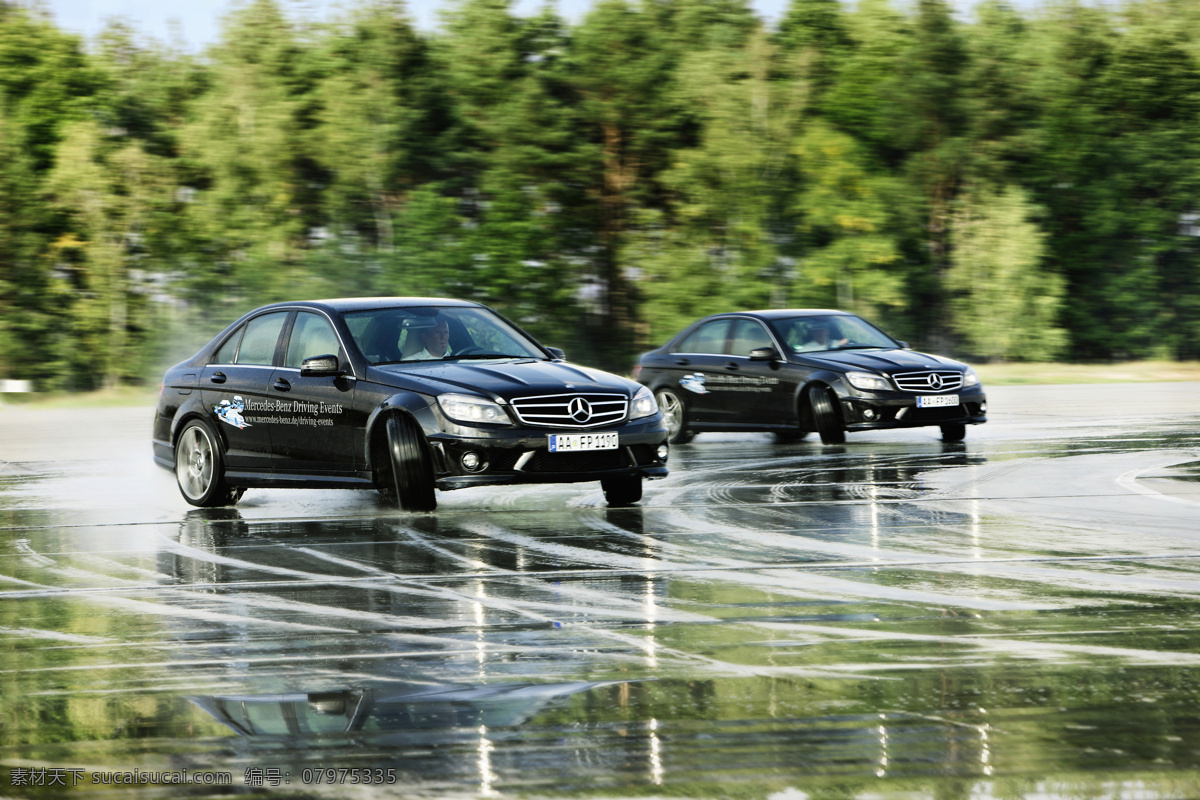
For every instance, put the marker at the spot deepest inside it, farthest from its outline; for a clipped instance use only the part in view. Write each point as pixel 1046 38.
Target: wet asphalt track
pixel 1015 616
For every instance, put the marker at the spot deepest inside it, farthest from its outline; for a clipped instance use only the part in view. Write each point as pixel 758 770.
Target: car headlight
pixel 869 381
pixel 970 378
pixel 465 408
pixel 643 404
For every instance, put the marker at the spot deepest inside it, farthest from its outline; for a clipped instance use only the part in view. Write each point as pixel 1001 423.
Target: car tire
pixel 674 413
pixel 826 417
pixel 200 467
pixel 954 432
pixel 412 468
pixel 623 491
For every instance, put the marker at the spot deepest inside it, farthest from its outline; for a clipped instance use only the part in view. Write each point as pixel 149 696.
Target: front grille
pixel 545 461
pixel 571 410
pixel 945 381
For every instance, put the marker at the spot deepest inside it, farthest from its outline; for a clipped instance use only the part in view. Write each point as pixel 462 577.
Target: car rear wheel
pixel 826 418
pixel 954 432
pixel 674 416
pixel 623 491
pixel 412 470
pixel 200 467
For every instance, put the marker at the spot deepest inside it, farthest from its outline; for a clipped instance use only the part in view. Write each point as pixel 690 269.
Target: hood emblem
pixel 935 381
pixel 579 409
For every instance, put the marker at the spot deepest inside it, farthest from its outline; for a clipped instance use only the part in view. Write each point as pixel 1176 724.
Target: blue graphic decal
pixel 230 412
pixel 694 383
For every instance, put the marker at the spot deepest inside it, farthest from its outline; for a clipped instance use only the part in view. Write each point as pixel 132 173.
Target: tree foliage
pixel 1021 184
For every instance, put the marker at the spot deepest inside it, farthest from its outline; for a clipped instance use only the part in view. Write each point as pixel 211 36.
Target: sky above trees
pixel 199 21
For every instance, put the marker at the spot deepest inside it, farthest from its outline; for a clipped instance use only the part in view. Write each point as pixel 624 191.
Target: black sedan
pixel 405 395
pixel 795 371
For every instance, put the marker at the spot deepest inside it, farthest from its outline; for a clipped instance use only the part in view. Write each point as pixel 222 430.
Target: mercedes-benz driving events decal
pixel 700 383
pixel 279 412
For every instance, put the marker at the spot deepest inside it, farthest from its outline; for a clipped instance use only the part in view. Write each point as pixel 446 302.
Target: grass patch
pixel 1124 372
pixel 106 398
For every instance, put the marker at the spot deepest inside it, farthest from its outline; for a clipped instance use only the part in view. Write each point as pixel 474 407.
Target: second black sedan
pixel 794 371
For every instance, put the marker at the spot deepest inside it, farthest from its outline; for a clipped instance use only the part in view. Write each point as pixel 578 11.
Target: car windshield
pixel 436 333
pixel 830 332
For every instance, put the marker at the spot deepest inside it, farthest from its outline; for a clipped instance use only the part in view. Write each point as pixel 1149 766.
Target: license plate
pixel 571 442
pixel 937 400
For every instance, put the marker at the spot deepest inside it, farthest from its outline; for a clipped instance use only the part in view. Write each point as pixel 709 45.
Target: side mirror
pixel 320 366
pixel 903 345
pixel 559 354
pixel 764 354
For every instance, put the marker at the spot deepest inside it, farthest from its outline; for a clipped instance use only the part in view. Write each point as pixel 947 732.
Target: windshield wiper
pixel 481 355
pixel 861 347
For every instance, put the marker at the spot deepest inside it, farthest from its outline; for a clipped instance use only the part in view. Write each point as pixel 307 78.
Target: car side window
pixel 228 351
pixel 312 335
pixel 708 338
pixel 260 338
pixel 749 335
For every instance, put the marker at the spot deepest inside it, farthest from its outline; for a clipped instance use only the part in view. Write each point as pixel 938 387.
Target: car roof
pixel 343 304
pixel 779 313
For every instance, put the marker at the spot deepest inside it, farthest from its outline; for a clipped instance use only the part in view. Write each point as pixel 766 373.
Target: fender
pixel 827 377
pixel 191 408
pixel 416 406
pixel 800 401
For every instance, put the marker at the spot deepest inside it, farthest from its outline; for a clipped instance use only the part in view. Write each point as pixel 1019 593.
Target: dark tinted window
pixel 312 335
pixel 228 351
pixel 708 338
pixel 262 334
pixel 747 336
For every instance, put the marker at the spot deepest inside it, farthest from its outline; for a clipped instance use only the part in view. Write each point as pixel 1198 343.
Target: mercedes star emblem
pixel 579 409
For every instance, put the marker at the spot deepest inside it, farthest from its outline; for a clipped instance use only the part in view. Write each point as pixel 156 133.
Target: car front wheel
pixel 826 418
pixel 412 471
pixel 954 432
pixel 200 467
pixel 674 416
pixel 623 491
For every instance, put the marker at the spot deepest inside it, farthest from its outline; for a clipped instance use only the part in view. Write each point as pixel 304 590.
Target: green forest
pixel 1013 184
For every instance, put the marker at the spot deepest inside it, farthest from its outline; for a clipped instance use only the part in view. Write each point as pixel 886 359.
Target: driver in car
pixel 820 339
pixel 436 341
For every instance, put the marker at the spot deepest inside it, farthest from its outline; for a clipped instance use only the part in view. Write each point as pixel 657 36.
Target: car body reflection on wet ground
pixel 1011 616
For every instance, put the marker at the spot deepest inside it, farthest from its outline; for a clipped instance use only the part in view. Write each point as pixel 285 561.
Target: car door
pixel 234 390
pixel 757 392
pixel 319 430
pixel 697 367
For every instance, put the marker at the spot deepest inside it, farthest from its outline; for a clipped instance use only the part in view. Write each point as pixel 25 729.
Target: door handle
pixel 217 377
pixel 683 362
pixel 731 365
pixel 282 385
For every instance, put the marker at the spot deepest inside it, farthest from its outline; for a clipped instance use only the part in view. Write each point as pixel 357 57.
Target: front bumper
pixel 862 411
pixel 522 455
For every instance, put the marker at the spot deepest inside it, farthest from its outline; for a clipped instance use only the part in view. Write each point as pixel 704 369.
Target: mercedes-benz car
pixel 794 371
pixel 347 393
